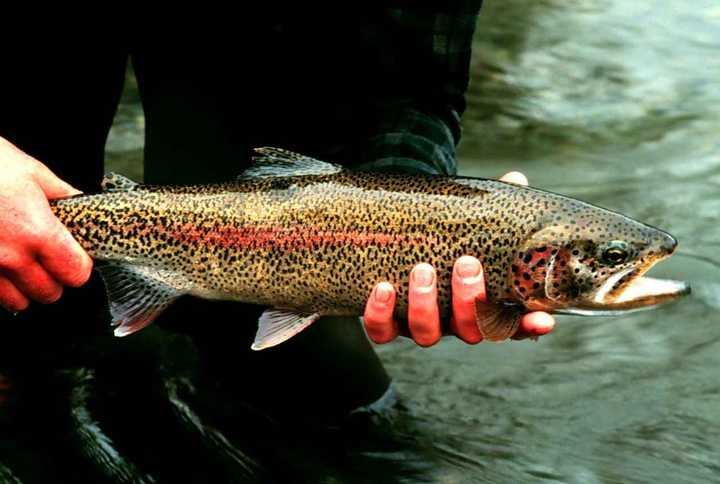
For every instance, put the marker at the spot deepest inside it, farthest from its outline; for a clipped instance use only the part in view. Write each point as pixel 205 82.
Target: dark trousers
pixel 58 107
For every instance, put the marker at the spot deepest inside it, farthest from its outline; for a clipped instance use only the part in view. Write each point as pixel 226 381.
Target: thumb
pixel 53 186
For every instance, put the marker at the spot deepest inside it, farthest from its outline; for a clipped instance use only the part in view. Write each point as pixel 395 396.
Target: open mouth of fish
pixel 630 290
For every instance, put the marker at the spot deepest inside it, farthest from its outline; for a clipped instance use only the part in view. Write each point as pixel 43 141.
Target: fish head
pixel 588 260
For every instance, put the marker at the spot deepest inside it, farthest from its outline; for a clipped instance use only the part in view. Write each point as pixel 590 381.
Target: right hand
pixel 468 289
pixel 38 256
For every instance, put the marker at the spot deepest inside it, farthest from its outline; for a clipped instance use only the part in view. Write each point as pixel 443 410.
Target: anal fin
pixel 278 325
pixel 138 294
pixel 497 322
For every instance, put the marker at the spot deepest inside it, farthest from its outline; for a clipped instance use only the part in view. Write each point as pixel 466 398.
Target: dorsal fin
pixel 114 182
pixel 276 162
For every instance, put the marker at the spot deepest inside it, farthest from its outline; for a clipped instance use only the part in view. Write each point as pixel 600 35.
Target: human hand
pixel 38 256
pixel 468 289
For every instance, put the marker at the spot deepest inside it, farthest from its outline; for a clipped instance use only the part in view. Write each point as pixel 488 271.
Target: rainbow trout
pixel 308 238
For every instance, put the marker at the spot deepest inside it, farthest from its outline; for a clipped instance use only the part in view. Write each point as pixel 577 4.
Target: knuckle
pixel 57 235
pixel 422 308
pixel 80 276
pixel 11 262
pixel 470 338
pixel 380 337
pixel 55 295
pixel 16 305
pixel 12 300
pixel 374 323
pixel 378 331
pixel 370 322
pixel 426 341
pixel 48 294
pixel 425 329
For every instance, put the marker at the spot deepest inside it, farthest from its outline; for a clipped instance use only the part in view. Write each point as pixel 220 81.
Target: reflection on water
pixel 616 103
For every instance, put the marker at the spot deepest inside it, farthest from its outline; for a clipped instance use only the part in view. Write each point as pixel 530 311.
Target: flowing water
pixel 616 103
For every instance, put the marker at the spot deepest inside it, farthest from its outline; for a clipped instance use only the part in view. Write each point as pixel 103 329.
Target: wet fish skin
pixel 312 239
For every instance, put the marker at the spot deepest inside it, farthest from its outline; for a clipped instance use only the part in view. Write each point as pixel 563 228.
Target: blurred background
pixel 616 103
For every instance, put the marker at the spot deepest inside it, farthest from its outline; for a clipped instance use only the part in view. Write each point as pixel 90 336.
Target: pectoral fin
pixel 137 295
pixel 279 325
pixel 497 322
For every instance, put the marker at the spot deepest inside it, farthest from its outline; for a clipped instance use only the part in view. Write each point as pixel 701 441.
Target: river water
pixel 616 103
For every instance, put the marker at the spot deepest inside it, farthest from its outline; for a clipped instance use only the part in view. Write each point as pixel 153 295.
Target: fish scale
pixel 309 238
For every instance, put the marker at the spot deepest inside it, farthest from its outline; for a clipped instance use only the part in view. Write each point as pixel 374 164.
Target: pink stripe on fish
pixel 297 237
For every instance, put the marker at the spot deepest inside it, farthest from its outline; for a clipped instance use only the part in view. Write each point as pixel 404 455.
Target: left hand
pixel 468 289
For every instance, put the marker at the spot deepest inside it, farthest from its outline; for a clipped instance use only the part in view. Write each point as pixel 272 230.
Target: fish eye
pixel 615 252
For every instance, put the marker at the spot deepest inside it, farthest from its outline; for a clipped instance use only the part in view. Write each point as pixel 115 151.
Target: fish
pixel 307 239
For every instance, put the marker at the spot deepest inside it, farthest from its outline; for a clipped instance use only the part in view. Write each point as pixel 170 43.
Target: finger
pixel 537 323
pixel 35 283
pixel 63 257
pixel 534 325
pixel 379 322
pixel 423 312
pixel 468 287
pixel 53 186
pixel 11 298
pixel 515 177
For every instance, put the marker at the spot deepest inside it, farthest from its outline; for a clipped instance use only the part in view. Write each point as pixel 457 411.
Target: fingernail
pixel 383 293
pixel 468 269
pixel 423 276
pixel 544 323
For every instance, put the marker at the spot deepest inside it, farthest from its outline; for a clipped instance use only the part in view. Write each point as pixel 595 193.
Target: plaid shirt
pixel 424 52
pixel 380 86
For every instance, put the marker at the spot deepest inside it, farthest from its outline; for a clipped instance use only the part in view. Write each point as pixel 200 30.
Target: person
pixel 383 90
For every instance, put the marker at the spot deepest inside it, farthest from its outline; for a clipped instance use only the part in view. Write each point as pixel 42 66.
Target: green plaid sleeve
pixel 423 58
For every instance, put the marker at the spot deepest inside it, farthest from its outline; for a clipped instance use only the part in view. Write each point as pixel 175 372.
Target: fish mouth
pixel 629 290
pixel 646 292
